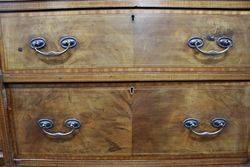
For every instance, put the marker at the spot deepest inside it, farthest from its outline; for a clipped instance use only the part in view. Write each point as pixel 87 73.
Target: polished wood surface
pixel 131 81
pixel 104 40
pixel 113 47
pixel 146 125
pixel 76 4
pixel 160 110
pixel 1 158
pixel 104 113
pixel 5 128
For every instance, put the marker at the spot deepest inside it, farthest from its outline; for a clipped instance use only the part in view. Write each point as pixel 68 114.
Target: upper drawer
pixel 10 5
pixel 139 44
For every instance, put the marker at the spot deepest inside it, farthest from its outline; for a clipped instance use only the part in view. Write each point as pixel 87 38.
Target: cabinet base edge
pixel 132 163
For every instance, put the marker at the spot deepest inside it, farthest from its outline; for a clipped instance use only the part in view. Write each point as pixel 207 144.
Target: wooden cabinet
pixel 125 83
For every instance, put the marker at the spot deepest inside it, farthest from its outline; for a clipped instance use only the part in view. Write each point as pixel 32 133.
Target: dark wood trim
pixel 131 163
pixel 4 125
pixel 1 158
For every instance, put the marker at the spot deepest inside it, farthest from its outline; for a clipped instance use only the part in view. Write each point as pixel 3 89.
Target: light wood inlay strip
pixel 33 5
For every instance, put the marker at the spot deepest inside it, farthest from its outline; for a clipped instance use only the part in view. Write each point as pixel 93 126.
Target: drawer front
pixel 163 40
pixel 116 123
pixel 103 113
pixel 103 40
pixel 126 45
pixel 159 112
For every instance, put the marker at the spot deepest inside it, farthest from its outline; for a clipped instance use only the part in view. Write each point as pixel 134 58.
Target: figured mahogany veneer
pixel 118 125
pixel 112 47
pixel 104 113
pixel 131 81
pixel 159 111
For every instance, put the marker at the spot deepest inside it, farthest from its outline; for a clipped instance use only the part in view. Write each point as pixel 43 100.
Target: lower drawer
pixel 118 122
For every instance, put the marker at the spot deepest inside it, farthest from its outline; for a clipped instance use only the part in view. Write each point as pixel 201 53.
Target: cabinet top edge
pixel 27 5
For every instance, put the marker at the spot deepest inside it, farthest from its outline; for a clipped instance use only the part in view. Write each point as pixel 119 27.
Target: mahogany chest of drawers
pixel 125 83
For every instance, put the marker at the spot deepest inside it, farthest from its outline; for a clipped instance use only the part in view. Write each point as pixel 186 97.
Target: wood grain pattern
pixel 104 113
pixel 162 39
pixel 76 4
pixel 160 110
pixel 5 128
pixel 103 40
pixel 111 45
pixel 120 129
pixel 107 111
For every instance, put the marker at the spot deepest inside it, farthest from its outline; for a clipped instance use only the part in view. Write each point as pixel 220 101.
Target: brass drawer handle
pixel 223 42
pixel 192 124
pixel 67 43
pixel 47 124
